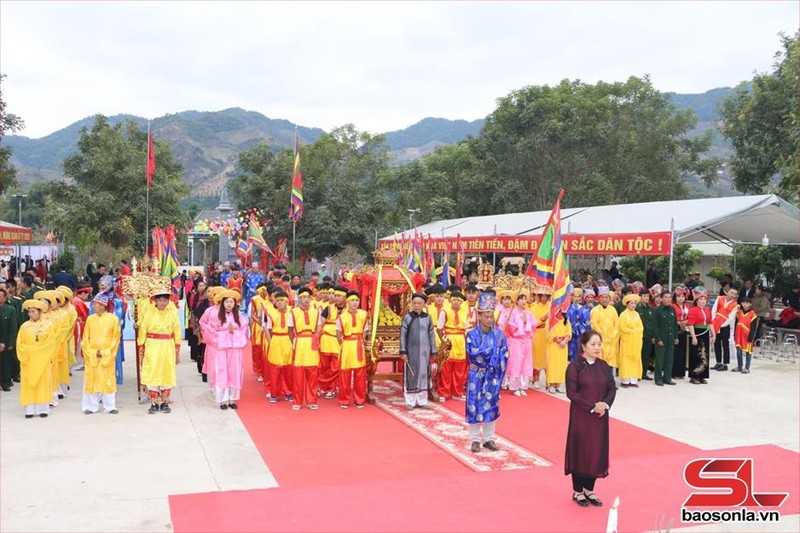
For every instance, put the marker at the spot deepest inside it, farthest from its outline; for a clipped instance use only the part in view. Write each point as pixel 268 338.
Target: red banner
pixel 657 243
pixel 15 235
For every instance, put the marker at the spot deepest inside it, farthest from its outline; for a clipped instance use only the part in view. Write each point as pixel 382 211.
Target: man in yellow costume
pixel 278 322
pixel 605 321
pixel 452 326
pixel 329 346
pixel 305 364
pixel 257 331
pixel 160 335
pixel 35 346
pixel 540 308
pixel 99 344
pixel 352 329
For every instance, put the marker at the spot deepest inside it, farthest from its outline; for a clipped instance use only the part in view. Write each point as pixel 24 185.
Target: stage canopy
pixel 13 234
pixel 642 228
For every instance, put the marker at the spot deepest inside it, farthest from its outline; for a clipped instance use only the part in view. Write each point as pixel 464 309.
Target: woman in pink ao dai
pixel 520 328
pixel 230 333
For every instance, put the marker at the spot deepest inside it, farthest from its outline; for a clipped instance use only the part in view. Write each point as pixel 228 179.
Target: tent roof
pixel 735 219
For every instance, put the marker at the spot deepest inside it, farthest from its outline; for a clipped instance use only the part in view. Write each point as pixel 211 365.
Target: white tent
pixel 731 220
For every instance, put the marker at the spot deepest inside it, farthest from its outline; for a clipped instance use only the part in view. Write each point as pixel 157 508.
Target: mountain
pixel 207 143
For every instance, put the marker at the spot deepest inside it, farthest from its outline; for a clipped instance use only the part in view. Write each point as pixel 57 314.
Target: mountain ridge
pixel 207 143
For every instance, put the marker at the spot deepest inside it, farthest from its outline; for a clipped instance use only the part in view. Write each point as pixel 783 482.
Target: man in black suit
pixel 748 291
pixel 63 277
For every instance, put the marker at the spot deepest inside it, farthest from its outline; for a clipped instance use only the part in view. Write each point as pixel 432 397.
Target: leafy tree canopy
pixel 761 123
pixel 105 200
pixel 9 123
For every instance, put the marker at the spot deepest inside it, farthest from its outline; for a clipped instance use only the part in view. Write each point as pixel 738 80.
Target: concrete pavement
pixel 76 472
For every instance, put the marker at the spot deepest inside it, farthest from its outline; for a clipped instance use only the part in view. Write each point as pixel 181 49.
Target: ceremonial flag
pixel 255 236
pixel 243 250
pixel 296 207
pixel 446 266
pixel 281 252
pixel 460 258
pixel 542 267
pixel 151 159
pixel 416 253
pixel 562 289
pixel 430 261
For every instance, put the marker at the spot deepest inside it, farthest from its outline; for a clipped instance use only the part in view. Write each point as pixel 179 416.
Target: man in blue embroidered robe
pixel 487 353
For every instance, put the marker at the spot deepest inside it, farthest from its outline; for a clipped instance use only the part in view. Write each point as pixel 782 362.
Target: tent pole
pixel 671 249
pixel 734 260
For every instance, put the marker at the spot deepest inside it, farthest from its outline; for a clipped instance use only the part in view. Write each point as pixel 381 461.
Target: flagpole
pixel 294 228
pixel 147 195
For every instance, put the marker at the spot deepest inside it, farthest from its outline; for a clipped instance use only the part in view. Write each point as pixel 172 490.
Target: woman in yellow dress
pixel 35 346
pixel 541 311
pixel 631 332
pixel 99 345
pixel 160 335
pixel 557 353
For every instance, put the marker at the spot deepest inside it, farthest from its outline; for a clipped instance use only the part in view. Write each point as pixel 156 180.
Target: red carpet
pixel 539 421
pixel 536 499
pixel 332 446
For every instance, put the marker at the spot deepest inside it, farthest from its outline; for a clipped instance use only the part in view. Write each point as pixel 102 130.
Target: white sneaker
pixel 518 392
pixel 78 367
pixel 442 399
pixel 537 385
pixel 551 390
pixel 260 379
pixel 524 392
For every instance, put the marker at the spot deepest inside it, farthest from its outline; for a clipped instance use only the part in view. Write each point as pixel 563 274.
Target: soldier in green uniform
pixel 16 302
pixel 666 336
pixel 647 314
pixel 8 337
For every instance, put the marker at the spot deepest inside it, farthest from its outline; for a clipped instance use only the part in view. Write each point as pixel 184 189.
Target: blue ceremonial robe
pixel 578 316
pixel 254 279
pixel 487 354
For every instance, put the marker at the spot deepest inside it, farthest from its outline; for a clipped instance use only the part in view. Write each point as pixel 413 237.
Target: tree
pixel 343 202
pixel 768 264
pixel 762 126
pixel 105 202
pixel 9 123
pixel 32 206
pixel 611 142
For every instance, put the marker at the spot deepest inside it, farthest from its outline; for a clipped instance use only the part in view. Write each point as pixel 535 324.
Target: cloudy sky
pixel 382 65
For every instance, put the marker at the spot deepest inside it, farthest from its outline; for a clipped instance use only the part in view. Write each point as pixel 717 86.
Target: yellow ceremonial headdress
pixel 213 291
pixel 522 292
pixel 577 291
pixel 39 295
pixel 57 295
pixel 66 291
pixel 34 304
pixel 631 297
pixel 505 293
pixel 227 293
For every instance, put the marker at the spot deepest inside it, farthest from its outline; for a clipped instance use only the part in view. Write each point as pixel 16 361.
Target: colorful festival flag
pixel 296 207
pixel 151 159
pixel 562 289
pixel 255 236
pixel 281 251
pixel 542 267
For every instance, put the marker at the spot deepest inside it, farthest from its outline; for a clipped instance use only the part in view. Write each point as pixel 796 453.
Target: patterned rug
pixel 448 430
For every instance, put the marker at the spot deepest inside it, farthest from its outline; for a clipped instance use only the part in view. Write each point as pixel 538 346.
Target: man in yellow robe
pixel 161 336
pixel 305 364
pixel 352 329
pixel 99 344
pixel 605 321
pixel 35 345
pixel 277 323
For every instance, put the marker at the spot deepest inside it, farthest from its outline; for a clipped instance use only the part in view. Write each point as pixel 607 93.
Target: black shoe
pixel 153 409
pixel 594 500
pixel 233 406
pixel 723 368
pixel 670 383
pixel 28 416
pixel 717 366
pixel 43 415
pixel 476 447
pixel 647 378
pixel 165 408
pixel 6 388
pixel 60 396
pixel 205 378
pixel 15 380
pixel 223 406
pixel 491 446
pixel 580 499
pixel 659 383
pixel 289 398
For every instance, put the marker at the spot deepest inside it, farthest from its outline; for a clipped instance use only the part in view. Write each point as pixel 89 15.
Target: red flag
pixel 151 159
